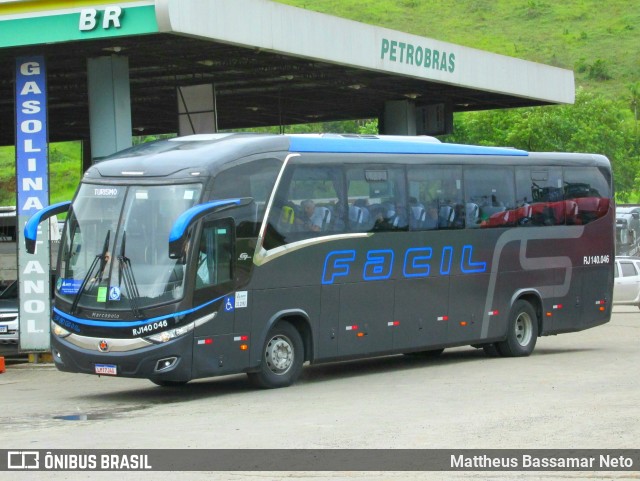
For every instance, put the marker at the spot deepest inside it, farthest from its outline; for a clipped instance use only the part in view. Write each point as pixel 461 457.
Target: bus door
pixel 217 342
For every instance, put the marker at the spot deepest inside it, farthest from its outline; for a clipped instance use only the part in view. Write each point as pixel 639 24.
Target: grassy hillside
pixel 65 171
pixel 599 40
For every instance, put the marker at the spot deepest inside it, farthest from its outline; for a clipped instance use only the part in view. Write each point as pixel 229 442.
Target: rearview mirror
pixel 178 234
pixel 31 227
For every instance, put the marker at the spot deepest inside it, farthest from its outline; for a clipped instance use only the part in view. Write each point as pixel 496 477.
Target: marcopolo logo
pixel 410 54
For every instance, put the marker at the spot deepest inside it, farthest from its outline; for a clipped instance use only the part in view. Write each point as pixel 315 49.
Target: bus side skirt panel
pixel 218 355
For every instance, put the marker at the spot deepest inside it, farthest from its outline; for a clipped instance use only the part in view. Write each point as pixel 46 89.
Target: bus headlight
pixel 169 335
pixel 59 331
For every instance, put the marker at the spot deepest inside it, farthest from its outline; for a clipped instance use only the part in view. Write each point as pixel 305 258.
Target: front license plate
pixel 107 369
pixel 4 329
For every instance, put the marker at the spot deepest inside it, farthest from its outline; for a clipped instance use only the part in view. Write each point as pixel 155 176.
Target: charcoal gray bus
pixel 248 253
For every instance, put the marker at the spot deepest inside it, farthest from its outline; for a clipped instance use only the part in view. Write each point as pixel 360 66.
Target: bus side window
pixel 489 196
pixel 435 197
pixel 214 256
pixel 253 178
pixel 309 203
pixel 540 199
pixel 376 195
pixel 589 188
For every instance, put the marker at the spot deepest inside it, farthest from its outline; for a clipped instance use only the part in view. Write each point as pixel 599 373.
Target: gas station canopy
pixel 268 63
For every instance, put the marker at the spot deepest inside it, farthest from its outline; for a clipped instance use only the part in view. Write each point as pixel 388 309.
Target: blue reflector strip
pixel 90 322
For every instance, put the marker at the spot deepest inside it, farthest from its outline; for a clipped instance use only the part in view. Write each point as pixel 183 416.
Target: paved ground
pixel 577 390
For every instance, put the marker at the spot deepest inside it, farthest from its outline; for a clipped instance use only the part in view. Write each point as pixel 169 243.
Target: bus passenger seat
pixel 287 216
pixel 446 216
pixel 326 217
pixel 472 214
pixel 418 216
pixel 355 214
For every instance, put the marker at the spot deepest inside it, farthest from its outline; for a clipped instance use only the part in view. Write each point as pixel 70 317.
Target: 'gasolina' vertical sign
pixel 32 183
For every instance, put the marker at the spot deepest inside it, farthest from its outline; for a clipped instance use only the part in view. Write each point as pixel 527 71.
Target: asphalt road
pixel 578 390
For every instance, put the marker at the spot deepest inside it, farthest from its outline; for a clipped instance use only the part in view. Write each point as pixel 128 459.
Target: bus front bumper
pixel 170 361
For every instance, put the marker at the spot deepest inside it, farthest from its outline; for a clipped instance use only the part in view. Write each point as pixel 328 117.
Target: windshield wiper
pixel 100 259
pixel 126 273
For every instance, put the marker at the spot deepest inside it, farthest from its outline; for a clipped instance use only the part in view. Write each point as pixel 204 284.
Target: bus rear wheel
pixel 282 358
pixel 522 332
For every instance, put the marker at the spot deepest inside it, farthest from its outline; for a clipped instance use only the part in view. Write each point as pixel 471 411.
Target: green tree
pixel 634 104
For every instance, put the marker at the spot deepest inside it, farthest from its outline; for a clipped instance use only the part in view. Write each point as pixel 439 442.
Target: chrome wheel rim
pixel 279 354
pixel 524 329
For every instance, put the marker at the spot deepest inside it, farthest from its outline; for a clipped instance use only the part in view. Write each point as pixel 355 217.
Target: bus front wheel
pixel 522 332
pixel 282 358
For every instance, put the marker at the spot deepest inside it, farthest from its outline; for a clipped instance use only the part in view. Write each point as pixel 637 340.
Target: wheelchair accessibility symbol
pixel 114 293
pixel 229 304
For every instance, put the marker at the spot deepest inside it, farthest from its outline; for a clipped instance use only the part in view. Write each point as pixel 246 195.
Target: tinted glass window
pixel 214 259
pixel 435 197
pixel 376 198
pixel 540 197
pixel 628 269
pixel 308 203
pixel 10 292
pixel 214 264
pixel 253 179
pixel 489 194
pixel 127 229
pixel 589 188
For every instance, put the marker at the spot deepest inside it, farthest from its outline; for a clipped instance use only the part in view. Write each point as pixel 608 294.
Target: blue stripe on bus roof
pixel 382 146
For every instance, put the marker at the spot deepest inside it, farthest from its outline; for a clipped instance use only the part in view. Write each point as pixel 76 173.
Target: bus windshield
pixel 114 253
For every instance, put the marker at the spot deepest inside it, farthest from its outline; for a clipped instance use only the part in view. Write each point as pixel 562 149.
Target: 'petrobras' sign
pixel 32 181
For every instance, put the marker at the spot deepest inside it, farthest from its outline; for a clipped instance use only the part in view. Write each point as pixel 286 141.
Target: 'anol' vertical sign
pixel 32 185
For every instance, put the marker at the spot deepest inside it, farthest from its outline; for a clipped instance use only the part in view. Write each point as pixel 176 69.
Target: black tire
pixel 282 358
pixel 522 332
pixel 491 350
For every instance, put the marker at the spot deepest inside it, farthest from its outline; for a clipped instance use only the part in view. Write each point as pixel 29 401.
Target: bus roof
pixel 179 156
pixel 390 145
pixel 352 143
